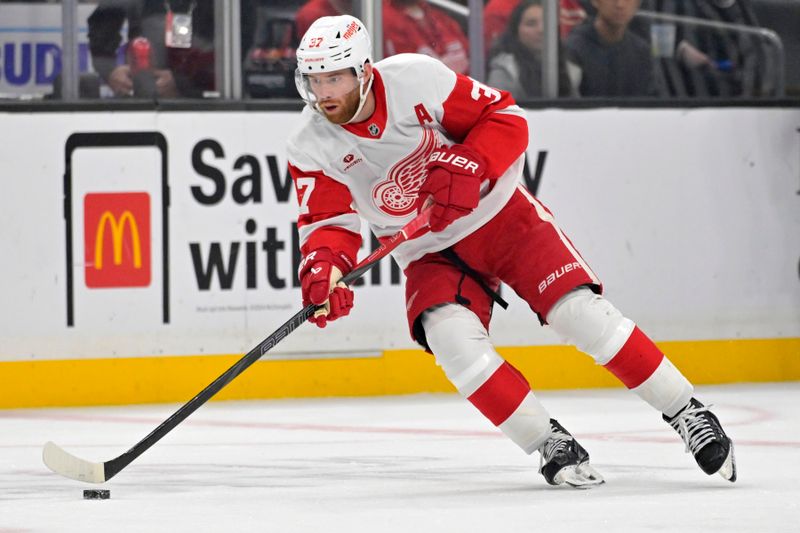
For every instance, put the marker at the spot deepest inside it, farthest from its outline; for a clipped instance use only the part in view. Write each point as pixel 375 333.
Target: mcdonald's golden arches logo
pixel 116 229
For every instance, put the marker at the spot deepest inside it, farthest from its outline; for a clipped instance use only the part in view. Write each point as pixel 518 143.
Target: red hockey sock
pixel 501 394
pixel 636 361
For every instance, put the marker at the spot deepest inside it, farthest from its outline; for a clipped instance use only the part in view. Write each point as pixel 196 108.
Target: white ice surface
pixel 402 464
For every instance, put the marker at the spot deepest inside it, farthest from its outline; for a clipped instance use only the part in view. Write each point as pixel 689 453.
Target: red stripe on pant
pixel 636 361
pixel 501 394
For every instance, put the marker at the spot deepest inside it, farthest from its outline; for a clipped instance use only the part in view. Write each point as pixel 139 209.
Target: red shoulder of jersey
pixel 488 121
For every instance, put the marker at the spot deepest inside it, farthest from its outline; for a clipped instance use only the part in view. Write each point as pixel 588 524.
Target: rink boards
pixel 143 245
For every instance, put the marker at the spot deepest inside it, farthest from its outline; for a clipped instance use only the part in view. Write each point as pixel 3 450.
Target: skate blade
pixel 728 468
pixel 582 476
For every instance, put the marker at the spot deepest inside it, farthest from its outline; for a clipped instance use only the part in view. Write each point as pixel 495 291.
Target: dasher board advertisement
pixel 116 203
pixel 176 231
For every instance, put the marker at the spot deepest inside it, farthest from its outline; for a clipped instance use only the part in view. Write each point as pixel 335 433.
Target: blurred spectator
pixel 314 9
pixel 414 26
pixel 613 61
pixel 714 62
pixel 516 61
pixel 184 66
pixel 570 14
pixel 409 26
pixel 783 17
pixel 496 14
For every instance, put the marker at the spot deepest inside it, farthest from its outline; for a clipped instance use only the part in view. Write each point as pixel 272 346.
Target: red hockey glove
pixel 320 272
pixel 453 182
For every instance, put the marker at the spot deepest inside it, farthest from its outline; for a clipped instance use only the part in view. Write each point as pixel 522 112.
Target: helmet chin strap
pixel 363 92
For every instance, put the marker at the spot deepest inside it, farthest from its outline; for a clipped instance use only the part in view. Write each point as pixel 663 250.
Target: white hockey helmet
pixel 331 44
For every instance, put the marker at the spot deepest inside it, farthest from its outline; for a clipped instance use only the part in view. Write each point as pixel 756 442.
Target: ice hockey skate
pixel 565 462
pixel 705 439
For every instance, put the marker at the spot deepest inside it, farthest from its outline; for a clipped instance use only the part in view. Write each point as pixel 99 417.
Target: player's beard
pixel 347 109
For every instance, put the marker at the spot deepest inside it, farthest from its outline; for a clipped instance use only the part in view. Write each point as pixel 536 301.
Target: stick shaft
pixel 413 229
pixel 417 226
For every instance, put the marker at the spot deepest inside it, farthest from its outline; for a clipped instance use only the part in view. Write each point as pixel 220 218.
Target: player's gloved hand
pixel 320 272
pixel 453 183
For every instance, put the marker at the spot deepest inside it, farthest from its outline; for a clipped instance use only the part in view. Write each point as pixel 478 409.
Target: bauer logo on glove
pixel 455 160
pixel 453 183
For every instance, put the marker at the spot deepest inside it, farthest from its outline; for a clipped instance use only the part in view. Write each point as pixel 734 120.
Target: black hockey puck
pixel 96 494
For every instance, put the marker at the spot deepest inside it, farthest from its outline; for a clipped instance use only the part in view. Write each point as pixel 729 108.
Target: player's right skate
pixel 705 439
pixel 564 461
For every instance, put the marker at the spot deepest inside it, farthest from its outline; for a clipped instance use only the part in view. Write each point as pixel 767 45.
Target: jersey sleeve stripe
pixel 511 110
pixel 349 222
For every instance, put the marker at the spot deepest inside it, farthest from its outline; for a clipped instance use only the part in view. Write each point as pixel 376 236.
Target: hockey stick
pixel 67 465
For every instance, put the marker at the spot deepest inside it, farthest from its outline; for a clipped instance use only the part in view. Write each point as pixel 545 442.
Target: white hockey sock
pixel 597 328
pixel 463 350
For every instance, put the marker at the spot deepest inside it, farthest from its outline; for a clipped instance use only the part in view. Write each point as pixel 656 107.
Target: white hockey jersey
pixel 372 170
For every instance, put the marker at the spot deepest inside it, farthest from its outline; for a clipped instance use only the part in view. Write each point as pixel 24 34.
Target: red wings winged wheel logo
pixel 396 195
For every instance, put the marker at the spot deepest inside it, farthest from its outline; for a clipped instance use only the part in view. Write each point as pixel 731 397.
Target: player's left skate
pixel 705 439
pixel 565 462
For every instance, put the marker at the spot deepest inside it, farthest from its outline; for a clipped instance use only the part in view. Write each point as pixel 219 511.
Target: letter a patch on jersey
pixel 422 114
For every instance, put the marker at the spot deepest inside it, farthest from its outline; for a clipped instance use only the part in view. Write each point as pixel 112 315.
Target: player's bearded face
pixel 337 94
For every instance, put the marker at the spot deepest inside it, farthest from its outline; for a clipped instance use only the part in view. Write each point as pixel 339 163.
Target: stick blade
pixel 67 465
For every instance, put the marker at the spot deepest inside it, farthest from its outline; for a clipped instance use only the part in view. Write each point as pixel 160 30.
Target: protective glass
pixel 315 88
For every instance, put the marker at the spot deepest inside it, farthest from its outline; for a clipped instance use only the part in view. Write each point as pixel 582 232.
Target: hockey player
pixel 379 142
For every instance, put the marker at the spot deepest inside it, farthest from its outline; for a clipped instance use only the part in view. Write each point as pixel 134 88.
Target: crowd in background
pixel 604 49
pixel 157 48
